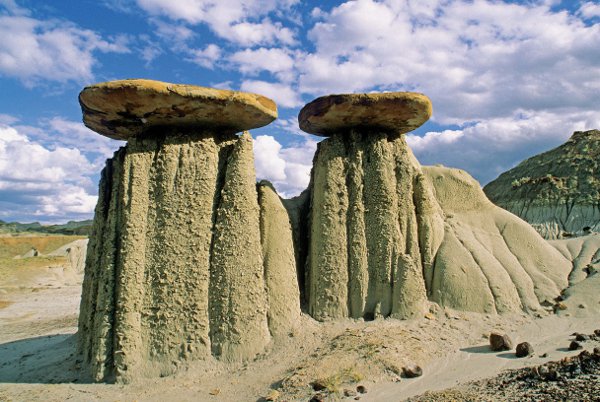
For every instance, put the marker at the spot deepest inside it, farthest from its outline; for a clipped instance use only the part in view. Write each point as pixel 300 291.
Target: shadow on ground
pixel 45 360
pixel 478 349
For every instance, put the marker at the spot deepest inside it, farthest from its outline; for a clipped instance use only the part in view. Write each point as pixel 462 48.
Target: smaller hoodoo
pixel 374 225
pixel 386 236
pixel 180 262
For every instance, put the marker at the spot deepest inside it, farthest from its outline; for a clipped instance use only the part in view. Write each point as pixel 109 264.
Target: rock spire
pixel 181 261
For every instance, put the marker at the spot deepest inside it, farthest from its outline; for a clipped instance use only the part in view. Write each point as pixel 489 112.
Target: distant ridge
pixel 81 228
pixel 558 192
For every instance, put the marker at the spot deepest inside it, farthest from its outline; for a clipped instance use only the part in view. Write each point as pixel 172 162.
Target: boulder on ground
pixel 524 349
pixel 500 342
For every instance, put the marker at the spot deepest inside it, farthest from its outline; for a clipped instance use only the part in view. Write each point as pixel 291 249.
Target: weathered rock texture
pixel 386 236
pixel 557 192
pixel 396 112
pixel 186 258
pixel 128 108
pixel 75 253
pixel 366 234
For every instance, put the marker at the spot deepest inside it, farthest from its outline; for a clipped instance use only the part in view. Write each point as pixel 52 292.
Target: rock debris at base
pixel 575 378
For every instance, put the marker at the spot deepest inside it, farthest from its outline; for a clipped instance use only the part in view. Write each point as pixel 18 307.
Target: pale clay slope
pixel 582 297
pixel 490 260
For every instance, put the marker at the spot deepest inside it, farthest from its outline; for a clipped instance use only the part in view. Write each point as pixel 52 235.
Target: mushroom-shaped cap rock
pixel 397 112
pixel 127 108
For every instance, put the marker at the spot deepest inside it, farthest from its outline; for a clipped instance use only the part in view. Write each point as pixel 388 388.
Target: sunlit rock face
pixel 183 259
pixel 557 192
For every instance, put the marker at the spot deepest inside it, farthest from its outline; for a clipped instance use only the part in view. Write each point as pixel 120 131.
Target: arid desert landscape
pixel 384 280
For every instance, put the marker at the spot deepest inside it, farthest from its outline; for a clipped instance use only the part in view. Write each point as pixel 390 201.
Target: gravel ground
pixel 575 378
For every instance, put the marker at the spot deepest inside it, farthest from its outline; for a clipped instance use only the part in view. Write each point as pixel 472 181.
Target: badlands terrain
pixel 384 280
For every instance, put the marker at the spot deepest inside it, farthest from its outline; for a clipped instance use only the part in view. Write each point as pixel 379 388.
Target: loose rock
pixel 500 342
pixel 361 389
pixel 524 349
pixel 574 345
pixel 412 371
pixel 349 392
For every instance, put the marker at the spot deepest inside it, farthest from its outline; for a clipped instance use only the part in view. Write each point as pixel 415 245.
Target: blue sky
pixel 508 79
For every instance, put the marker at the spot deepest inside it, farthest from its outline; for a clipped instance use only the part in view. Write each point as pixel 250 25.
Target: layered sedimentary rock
pixel 181 258
pixel 557 192
pixel 386 236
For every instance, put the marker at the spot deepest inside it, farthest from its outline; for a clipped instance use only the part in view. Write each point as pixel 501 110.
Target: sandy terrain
pixel 38 317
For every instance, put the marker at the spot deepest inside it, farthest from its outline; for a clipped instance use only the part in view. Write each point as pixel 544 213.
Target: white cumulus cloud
pixel 33 50
pixel 283 94
pixel 288 168
pixel 42 183
pixel 243 22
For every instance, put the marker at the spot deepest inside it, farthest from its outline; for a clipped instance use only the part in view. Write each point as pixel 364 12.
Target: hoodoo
pixel 374 225
pixel 386 237
pixel 180 262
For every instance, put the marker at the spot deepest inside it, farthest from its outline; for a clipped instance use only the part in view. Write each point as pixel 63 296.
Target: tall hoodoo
pixel 176 268
pixel 374 225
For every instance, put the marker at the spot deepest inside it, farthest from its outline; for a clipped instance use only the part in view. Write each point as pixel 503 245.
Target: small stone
pixel 349 392
pixel 317 398
pixel 552 375
pixel 273 395
pixel 560 306
pixel 582 306
pixel 412 371
pixel 582 338
pixel 429 316
pixel 500 342
pixel 597 332
pixel 524 349
pixel 361 389
pixel 597 351
pixel 544 355
pixel 318 385
pixel 215 391
pixel 574 345
pixel 394 112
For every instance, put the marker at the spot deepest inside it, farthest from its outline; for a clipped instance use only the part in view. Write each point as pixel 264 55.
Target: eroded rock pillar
pixel 176 266
pixel 370 239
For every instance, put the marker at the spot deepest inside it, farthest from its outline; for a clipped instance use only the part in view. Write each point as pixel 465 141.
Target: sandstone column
pixel 175 266
pixel 374 228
